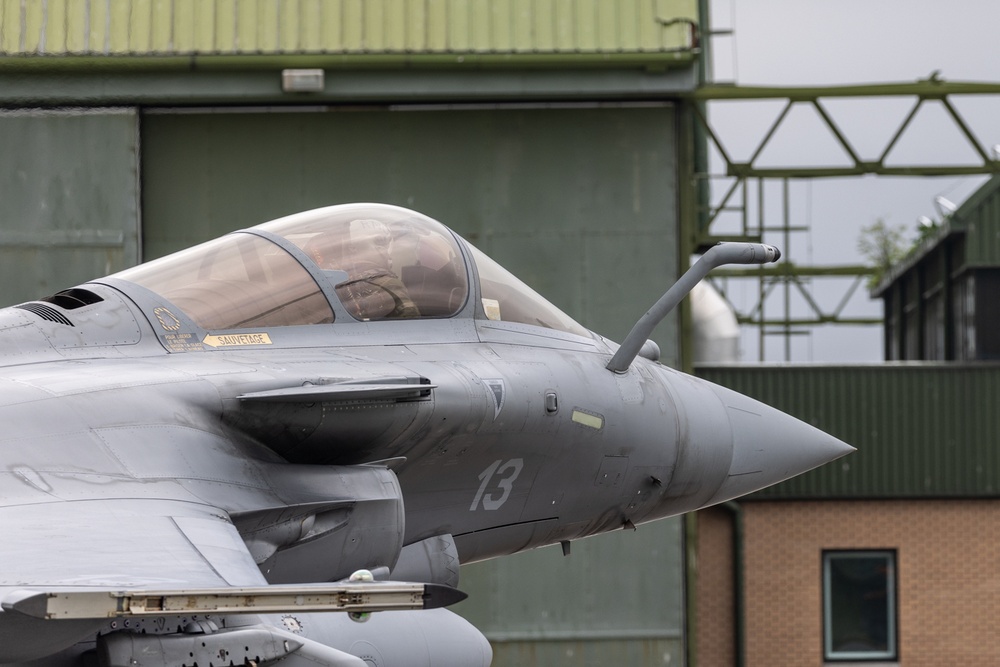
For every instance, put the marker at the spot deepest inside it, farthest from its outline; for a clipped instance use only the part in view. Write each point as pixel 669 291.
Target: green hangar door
pixel 69 192
pixel 568 197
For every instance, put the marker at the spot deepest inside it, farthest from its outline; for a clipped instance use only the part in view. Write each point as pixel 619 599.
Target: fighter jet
pixel 277 447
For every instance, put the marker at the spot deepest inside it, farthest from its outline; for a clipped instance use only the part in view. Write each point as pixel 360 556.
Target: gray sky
pixel 830 42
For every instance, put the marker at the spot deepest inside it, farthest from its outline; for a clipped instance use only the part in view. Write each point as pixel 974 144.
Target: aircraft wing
pixel 122 543
pixel 93 559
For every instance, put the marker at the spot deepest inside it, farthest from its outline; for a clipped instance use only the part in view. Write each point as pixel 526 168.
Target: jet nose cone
pixel 770 446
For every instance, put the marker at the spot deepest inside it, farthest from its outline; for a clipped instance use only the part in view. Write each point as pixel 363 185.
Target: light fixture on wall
pixel 302 80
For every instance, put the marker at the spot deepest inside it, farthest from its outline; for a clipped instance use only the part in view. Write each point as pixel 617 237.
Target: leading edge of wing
pixel 96 559
pixel 349 596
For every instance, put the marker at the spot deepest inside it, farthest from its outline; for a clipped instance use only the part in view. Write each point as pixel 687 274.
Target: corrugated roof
pixel 415 28
pixel 921 429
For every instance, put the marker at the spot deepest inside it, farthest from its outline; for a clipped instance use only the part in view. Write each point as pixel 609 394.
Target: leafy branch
pixel 882 246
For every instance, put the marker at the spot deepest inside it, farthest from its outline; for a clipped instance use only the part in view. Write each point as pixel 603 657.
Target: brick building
pixel 889 556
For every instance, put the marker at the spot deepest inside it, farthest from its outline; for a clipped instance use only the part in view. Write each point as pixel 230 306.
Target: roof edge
pixel 953 224
pixel 648 60
pixel 915 254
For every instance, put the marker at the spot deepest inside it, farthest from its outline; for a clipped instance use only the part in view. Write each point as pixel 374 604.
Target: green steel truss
pixel 925 90
pixel 740 177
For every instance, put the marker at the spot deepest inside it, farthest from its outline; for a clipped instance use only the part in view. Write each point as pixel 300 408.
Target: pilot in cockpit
pixel 363 250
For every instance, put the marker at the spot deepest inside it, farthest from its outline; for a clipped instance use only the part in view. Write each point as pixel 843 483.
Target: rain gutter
pixel 739 622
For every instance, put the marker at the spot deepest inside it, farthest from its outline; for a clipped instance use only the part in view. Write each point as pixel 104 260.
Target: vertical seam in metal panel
pixel 44 26
pixel 300 13
pixel 107 27
pixel 427 26
pixel 470 31
pixel 512 25
pixel 446 27
pixel 363 19
pixel 213 17
pixel 170 39
pixel 555 27
pixel 619 36
pixel 277 26
pixel 259 25
pixel 640 45
pixel 128 30
pixel 532 43
pixel 576 27
pixel 598 47
pixel 150 43
pixel 340 28
pixel 533 28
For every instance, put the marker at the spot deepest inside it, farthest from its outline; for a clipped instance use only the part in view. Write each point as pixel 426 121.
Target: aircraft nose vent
pixel 45 312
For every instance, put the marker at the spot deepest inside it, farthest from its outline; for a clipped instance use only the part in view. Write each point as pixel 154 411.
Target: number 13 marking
pixel 505 475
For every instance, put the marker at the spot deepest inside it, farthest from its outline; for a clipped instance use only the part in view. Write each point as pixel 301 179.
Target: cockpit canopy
pixel 370 261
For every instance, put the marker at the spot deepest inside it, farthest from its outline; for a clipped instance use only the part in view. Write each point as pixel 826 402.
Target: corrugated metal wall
pixel 154 27
pixel 980 217
pixel 69 198
pixel 921 430
pixel 616 600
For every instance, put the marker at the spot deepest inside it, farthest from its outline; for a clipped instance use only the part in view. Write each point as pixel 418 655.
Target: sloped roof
pixel 654 33
pixel 978 217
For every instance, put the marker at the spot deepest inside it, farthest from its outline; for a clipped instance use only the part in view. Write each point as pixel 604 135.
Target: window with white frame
pixel 859 605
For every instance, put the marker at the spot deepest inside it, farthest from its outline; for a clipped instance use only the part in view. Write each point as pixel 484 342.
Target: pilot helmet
pixel 370 232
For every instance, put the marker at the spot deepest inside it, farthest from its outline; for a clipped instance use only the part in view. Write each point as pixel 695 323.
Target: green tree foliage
pixel 882 246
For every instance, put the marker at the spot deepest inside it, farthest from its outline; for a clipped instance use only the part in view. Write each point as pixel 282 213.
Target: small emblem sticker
pixel 499 394
pixel 167 320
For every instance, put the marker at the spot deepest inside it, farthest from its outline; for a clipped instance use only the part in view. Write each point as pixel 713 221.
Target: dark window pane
pixel 859 605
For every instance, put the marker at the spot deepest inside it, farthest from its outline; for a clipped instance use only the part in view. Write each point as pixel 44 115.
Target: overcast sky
pixel 831 42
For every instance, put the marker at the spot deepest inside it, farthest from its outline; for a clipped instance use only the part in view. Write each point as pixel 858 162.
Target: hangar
pixel 555 138
pixel 549 136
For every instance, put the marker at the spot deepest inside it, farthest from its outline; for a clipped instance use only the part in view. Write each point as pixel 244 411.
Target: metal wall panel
pixel 980 218
pixel 68 199
pixel 617 599
pixel 922 430
pixel 411 27
pixel 580 203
